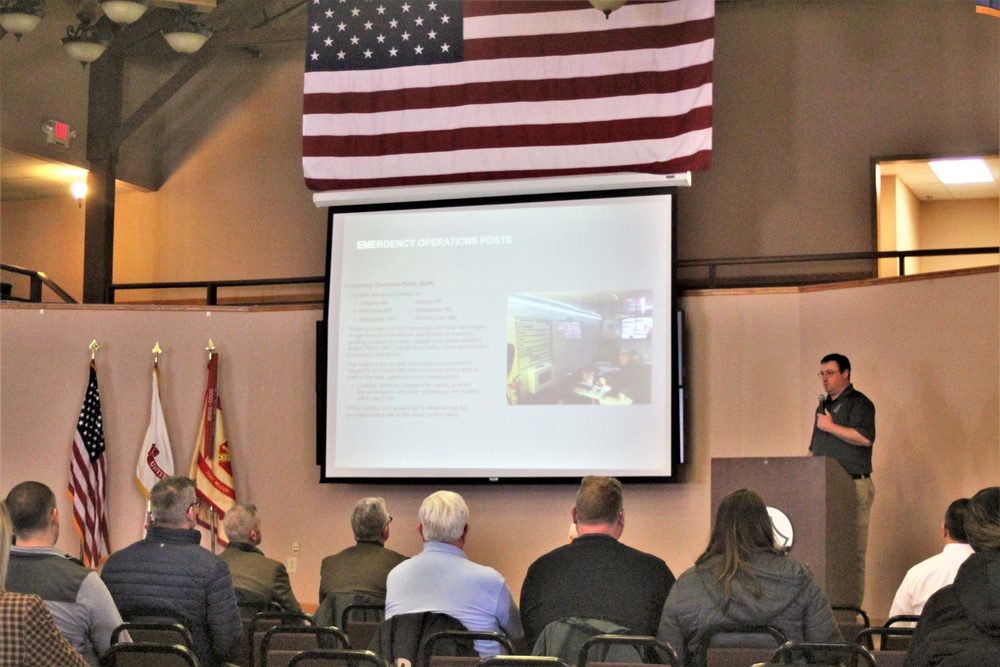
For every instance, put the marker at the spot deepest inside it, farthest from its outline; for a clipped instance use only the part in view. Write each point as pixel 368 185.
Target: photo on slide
pixel 579 348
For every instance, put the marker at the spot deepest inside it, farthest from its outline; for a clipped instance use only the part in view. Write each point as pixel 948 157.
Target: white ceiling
pixel 924 183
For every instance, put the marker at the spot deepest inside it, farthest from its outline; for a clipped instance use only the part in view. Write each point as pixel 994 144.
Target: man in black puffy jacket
pixel 169 570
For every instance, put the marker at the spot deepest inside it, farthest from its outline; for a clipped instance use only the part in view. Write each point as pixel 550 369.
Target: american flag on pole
pixel 413 92
pixel 87 477
pixel 211 465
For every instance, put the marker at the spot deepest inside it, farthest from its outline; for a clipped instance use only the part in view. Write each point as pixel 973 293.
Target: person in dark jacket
pixel 960 624
pixel 170 570
pixel 743 579
pixel 595 576
pixel 255 577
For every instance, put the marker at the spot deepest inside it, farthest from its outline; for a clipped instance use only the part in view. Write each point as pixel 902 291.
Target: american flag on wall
pixel 87 477
pixel 413 92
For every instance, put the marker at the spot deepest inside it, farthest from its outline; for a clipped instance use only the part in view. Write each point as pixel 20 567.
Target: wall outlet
pixel 293 564
pixel 295 548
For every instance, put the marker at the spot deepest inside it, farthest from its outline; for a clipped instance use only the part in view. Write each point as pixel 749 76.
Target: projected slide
pixel 515 341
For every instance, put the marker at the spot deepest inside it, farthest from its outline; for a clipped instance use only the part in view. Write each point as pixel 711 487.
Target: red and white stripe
pixel 545 89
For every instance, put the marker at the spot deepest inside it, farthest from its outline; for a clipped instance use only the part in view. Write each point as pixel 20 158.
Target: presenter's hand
pixel 824 421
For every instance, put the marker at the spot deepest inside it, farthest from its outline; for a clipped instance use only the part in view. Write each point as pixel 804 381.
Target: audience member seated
pixel 595 575
pixel 442 579
pixel 75 595
pixel 960 624
pixel 170 570
pixel 28 635
pixel 926 577
pixel 364 567
pixel 742 578
pixel 256 577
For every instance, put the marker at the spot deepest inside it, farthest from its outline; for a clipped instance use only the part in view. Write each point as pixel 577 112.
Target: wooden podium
pixel 818 497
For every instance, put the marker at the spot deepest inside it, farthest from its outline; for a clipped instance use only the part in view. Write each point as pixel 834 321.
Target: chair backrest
pixel 565 637
pixel 400 637
pixel 850 654
pixel 738 645
pixel 266 620
pixel 360 620
pixel 448 642
pixel 154 615
pixel 153 633
pixel 295 638
pixel 893 641
pixel 850 620
pixel 889 658
pixel 891 638
pixel 148 655
pixel 646 649
pixel 248 610
pixel 342 658
pixel 522 661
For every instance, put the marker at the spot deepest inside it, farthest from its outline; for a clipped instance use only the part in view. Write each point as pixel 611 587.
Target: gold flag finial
pixel 94 347
pixel 210 349
pixel 156 355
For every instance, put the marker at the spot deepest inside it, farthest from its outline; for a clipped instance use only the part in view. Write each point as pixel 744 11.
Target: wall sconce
pixel 20 16
pixel 84 43
pixel 124 12
pixel 607 6
pixel 188 33
pixel 79 190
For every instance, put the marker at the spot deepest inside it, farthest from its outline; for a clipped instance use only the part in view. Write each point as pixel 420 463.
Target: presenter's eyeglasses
pixel 828 374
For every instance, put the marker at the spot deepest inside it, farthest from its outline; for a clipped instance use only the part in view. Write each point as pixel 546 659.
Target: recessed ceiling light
pixel 955 172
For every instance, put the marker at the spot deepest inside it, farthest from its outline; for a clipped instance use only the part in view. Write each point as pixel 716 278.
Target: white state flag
pixel 155 458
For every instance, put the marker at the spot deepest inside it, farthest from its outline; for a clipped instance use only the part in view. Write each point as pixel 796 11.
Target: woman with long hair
pixel 28 635
pixel 742 578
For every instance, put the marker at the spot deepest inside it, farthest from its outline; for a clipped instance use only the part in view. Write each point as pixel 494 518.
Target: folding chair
pixel 521 661
pixel 790 651
pixel 455 638
pixel 330 657
pixel 899 641
pixel 648 650
pixel 148 655
pixel 359 621
pixel 153 633
pixel 266 620
pixel 738 645
pixel 849 629
pixel 281 642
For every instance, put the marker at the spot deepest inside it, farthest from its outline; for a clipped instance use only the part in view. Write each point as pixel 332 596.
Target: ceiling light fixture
pixel 962 171
pixel 20 16
pixel 188 33
pixel 124 12
pixel 84 42
pixel 607 6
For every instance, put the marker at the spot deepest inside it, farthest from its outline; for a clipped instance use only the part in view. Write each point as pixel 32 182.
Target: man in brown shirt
pixel 364 567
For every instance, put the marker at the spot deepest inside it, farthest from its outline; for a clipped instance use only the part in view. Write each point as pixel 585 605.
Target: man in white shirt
pixel 926 577
pixel 442 579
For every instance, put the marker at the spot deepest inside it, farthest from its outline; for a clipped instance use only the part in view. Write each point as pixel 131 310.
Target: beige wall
pixel 925 350
pixel 908 225
pixel 968 223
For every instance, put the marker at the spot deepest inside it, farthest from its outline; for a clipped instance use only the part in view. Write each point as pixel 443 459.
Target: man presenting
pixel 845 429
pixel 256 577
pixel 595 575
pixel 75 595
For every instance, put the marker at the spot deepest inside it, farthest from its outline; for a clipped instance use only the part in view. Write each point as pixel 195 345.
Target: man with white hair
pixel 256 577
pixel 442 579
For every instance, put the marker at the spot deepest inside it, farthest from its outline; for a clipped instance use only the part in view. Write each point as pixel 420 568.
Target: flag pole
pixel 210 437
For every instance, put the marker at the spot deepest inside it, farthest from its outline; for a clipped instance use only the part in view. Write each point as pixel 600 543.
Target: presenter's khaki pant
pixel 865 489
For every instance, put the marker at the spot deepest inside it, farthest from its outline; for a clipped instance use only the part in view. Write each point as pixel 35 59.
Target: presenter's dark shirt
pixel 853 410
pixel 595 576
